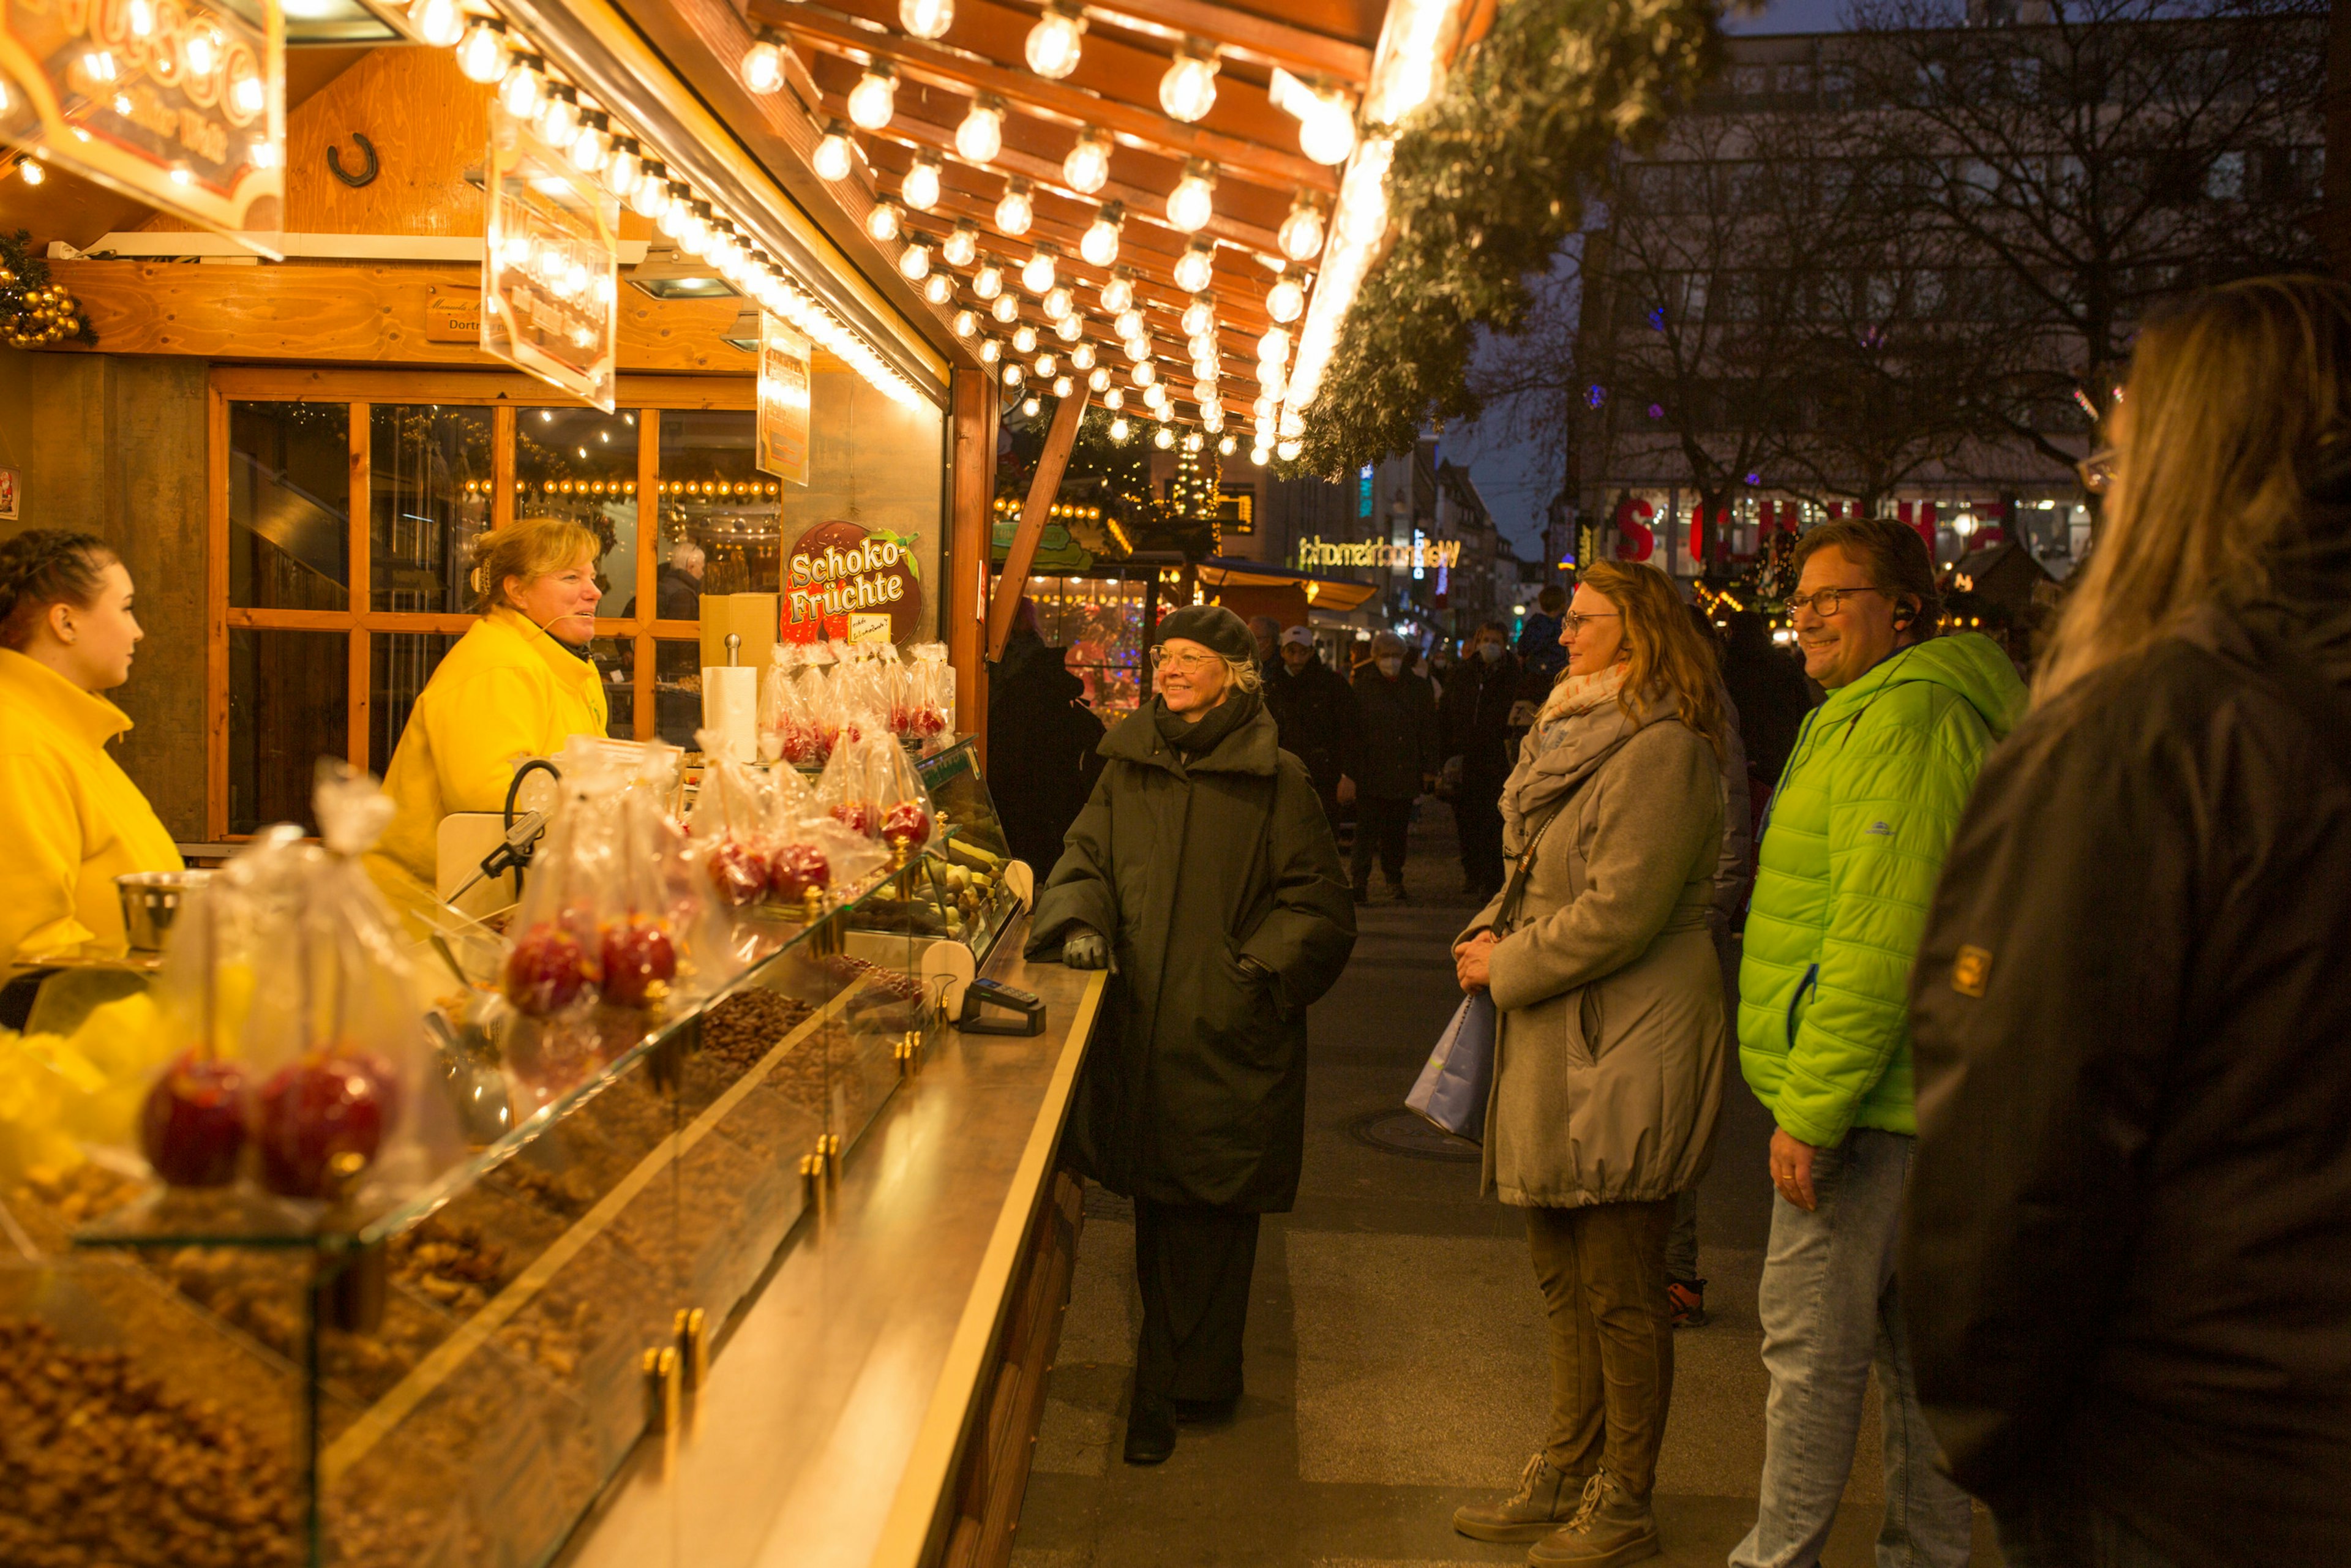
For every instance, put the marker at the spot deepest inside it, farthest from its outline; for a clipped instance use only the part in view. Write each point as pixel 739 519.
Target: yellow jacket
pixel 72 818
pixel 507 691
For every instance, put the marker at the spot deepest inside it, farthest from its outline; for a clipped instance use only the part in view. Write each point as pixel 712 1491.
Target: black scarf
pixel 1200 739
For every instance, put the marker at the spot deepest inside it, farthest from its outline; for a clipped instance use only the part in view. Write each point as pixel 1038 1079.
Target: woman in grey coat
pixel 1611 1045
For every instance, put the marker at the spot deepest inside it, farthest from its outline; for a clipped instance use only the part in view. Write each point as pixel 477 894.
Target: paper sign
pixel 176 103
pixel 550 264
pixel 845 583
pixel 783 402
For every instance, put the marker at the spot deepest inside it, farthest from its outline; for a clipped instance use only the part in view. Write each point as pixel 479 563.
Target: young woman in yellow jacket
pixel 515 686
pixel 72 818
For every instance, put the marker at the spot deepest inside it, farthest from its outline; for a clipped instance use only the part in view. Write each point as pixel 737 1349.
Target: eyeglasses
pixel 2098 470
pixel 1576 623
pixel 1827 600
pixel 1191 664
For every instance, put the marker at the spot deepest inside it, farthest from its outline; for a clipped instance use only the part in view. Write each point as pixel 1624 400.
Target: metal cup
pixel 151 901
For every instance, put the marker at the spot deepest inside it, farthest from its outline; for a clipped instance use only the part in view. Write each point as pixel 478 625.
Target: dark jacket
pixel 1399 733
pixel 1474 715
pixel 1314 710
pixel 1042 760
pixel 2127 1261
pixel 1767 685
pixel 1195 1090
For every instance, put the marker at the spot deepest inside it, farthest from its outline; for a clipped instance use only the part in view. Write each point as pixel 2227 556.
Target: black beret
pixel 1212 626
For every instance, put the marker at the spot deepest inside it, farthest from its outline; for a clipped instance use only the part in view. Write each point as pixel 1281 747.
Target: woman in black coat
pixel 1204 866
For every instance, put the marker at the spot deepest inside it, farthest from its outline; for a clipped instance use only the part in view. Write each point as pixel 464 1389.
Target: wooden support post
pixel 971 521
pixel 1047 485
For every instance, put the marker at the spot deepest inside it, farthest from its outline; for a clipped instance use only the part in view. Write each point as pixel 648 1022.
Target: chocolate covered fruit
pixel 193 1126
pixel 906 825
pixel 640 961
pixel 313 1110
pixel 795 869
pixel 546 971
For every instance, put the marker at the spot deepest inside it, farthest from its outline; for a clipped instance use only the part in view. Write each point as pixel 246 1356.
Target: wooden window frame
pixel 361 389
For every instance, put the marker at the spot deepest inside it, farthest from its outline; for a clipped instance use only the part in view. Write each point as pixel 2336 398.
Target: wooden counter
pixel 849 1415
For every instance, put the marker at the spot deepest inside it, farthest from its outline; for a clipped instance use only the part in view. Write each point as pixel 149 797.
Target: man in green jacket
pixel 1851 850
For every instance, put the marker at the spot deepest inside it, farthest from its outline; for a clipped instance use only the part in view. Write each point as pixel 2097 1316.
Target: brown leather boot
pixel 1610 1529
pixel 1546 1499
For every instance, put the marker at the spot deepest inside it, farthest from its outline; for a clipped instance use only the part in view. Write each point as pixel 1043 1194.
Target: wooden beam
pixel 971 521
pixel 1247 36
pixel 502 390
pixel 1050 463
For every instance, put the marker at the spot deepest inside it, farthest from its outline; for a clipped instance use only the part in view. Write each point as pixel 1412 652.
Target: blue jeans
pixel 2069 1534
pixel 1830 1304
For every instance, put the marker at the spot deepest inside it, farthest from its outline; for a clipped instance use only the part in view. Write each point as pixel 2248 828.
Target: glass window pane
pixel 677 691
pixel 616 661
pixel 582 463
pixel 400 664
pixel 428 496
pixel 289 506
pixel 1097 622
pixel 289 705
pixel 720 527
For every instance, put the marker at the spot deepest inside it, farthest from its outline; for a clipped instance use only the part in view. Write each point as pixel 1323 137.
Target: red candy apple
pixel 193 1125
pixel 547 970
pixel 795 869
pixel 737 871
pixel 906 826
pixel 313 1110
pixel 638 957
pixel 857 816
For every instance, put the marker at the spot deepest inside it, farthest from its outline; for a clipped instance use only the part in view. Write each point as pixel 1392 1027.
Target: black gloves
pixel 1085 948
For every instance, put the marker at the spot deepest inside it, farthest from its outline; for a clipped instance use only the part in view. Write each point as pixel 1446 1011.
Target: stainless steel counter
pixel 828 1431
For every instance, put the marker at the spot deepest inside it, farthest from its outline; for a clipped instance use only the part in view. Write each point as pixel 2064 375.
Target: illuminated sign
pixel 550 264
pixel 783 402
pixel 179 105
pixel 846 584
pixel 1412 557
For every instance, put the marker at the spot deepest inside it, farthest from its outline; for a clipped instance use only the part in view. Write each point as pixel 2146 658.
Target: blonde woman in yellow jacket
pixel 517 685
pixel 72 820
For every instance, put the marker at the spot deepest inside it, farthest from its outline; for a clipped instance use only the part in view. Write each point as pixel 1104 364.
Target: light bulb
pixel 1087 168
pixel 1156 394
pixel 1144 372
pixel 1070 327
pixel 1285 299
pixel 559 117
pixel 1046 364
pixel 1162 438
pixel 884 222
pixel 1205 368
pixel 1053 47
pixel 960 246
pixel 1196 268
pixel 914 263
pixel 1138 348
pixel 980 137
pixel 1301 232
pixel 518 90
pixel 1118 292
pixel 1016 211
pixel 1098 379
pixel 1227 447
pixel 1005 309
pixel 966 323
pixel 1037 274
pixel 482 55
pixel 763 67
pixel 920 188
pixel 1262 408
pixel 874 98
pixel 1326 131
pixel 1119 430
pixel 624 170
pixel 926 18
pixel 1202 347
pixel 439 22
pixel 1099 245
pixel 1193 202
pixel 1290 449
pixel 1260 454
pixel 1189 88
pixel 586 150
pixel 1192 441
pixel 989 282
pixel 1083 357
pixel 1204 391
pixel 1363 203
pixel 1031 407
pixel 1059 303
pixel 1024 339
pixel 1272 379
pixel 834 158
pixel 1012 377
pixel 1129 325
pixel 990 351
pixel 1273 348
pixel 1115 399
pixel 939 289
pixel 1199 316
pixel 1212 419
pixel 652 199
pixel 1064 386
pixel 31 173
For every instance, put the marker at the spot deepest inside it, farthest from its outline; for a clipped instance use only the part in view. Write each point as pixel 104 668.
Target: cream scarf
pixel 1581 694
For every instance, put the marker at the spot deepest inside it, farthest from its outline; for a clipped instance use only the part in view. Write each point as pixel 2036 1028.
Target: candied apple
pixel 637 957
pixel 737 871
pixel 193 1125
pixel 313 1110
pixel 547 970
pixel 795 869
pixel 907 826
pixel 857 816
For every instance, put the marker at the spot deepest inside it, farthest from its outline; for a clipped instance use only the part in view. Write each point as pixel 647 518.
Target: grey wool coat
pixel 1194 1089
pixel 1612 1035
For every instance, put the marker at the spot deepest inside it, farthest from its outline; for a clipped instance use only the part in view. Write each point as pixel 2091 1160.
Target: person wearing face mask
pixel 517 685
pixel 1474 715
pixel 1203 865
pixel 1400 761
pixel 75 821
pixel 1314 710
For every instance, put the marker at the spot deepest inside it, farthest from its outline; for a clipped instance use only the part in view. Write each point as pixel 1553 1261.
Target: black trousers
pixel 1381 825
pixel 1194 1265
pixel 1478 816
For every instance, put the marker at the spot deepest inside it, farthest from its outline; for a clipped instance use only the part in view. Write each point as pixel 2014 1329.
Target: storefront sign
pixel 453 317
pixel 783 402
pixel 550 267
pixel 845 584
pixel 176 103
pixel 1314 552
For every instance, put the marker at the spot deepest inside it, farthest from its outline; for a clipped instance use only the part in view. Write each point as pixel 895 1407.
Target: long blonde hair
pixel 2231 397
pixel 1663 649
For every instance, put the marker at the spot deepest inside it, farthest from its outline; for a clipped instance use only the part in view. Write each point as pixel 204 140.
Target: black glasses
pixel 1825 601
pixel 1575 624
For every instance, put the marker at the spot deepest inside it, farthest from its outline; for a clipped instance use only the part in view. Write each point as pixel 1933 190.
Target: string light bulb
pixel 652 199
pixel 874 98
pixel 990 351
pixel 926 18
pixel 989 282
pixel 1099 245
pixel 1012 377
pixel 1016 210
pixel 1144 372
pixel 1199 316
pixel 519 90
pixel 31 172
pixel 1024 339
pixel 914 263
pixel 1129 325
pixel 1301 236
pixel 979 139
pixel 559 117
pixel 482 56
pixel 961 245
pixel 1053 47
pixel 920 188
pixel 1196 268
pixel 1098 379
pixel 586 148
pixel 884 223
pixel 835 155
pixel 1273 348
pixel 1286 299
pixel 1193 202
pixel 966 323
pixel 1070 327
pixel 1162 438
pixel 1005 309
pixel 1082 358
pixel 1205 391
pixel 1087 168
pixel 440 23
pixel 939 289
pixel 1046 365
pixel 1188 89
pixel 1115 399
pixel 763 67
pixel 1118 291
pixel 1290 449
pixel 624 168
pixel 1227 446
pixel 1059 302
pixel 1119 431
pixel 1036 273
pixel 1064 386
pixel 1326 127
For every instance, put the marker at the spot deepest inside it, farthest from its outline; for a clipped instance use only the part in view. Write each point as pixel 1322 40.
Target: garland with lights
pixel 34 312
pixel 1486 183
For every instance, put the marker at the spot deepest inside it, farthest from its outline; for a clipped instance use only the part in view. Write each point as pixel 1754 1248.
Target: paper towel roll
pixel 730 707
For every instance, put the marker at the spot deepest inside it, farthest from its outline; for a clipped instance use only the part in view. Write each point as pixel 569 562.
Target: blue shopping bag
pixel 1453 1087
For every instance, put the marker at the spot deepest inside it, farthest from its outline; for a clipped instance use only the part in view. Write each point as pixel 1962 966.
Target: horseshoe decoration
pixel 366 176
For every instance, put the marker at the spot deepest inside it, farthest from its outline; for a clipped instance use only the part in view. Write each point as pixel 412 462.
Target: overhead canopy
pixel 1329 593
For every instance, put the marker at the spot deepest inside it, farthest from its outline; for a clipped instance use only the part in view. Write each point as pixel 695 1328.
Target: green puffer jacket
pixel 1852 847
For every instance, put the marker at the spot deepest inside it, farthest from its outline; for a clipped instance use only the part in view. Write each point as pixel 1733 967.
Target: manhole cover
pixel 1408 1133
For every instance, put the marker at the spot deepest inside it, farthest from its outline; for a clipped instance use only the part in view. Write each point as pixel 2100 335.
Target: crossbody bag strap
pixel 1514 895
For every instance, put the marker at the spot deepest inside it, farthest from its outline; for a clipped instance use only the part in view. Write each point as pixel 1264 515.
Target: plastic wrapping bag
pixel 929 692
pixel 872 788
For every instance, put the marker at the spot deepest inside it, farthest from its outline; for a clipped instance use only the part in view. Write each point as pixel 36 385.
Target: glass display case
pixel 450 1379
